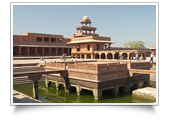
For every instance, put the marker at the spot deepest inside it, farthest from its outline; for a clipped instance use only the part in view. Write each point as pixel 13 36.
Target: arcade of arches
pixel 130 55
pixel 17 50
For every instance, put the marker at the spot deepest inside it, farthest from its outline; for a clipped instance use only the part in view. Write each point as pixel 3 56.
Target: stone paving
pixel 22 98
pixel 59 60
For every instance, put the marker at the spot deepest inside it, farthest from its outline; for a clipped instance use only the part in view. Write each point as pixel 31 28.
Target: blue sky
pixel 123 23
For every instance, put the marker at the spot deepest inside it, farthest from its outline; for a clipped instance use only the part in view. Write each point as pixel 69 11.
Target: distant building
pixel 31 44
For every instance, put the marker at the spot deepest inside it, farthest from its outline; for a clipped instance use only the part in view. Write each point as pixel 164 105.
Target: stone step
pixel 24 80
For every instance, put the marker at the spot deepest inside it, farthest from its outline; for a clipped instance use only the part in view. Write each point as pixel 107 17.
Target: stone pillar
pixel 36 51
pixel 67 85
pixel 147 83
pixel 42 50
pixel 106 55
pixel 115 90
pixel 28 50
pixel 34 79
pixel 100 56
pixel 92 56
pixel 128 56
pixel 78 90
pixel 85 56
pixel 20 50
pixel 56 51
pixel 109 45
pixel 49 51
pixel 56 84
pixel 137 85
pixel 113 55
pixel 97 94
pixel 126 88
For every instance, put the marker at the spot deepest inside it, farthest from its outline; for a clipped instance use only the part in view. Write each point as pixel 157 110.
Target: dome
pixel 85 17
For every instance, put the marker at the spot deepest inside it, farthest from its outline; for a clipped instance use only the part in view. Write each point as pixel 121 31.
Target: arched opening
pixel 88 56
pixel 39 51
pixel 53 51
pixel 74 56
pixel 32 51
pixel 109 56
pixel 78 55
pixel 116 55
pixel 82 56
pixel 24 51
pixel 46 51
pixel 142 56
pixel 102 56
pixel 132 56
pixel 96 56
pixel 59 52
pixel 124 56
pixel 15 51
pixel 66 51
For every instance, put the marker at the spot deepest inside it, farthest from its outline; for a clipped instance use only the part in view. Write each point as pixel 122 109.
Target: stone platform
pixel 145 93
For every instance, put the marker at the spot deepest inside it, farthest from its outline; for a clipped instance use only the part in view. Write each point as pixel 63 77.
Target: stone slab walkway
pixel 22 98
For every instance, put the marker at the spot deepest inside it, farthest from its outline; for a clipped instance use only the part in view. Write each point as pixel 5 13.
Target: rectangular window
pixel 88 47
pixel 59 40
pixel 39 39
pixel 46 39
pixel 78 47
pixel 53 40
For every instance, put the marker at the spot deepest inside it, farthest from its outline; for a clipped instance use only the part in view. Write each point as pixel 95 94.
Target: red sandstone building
pixel 31 44
pixel 89 45
pixel 83 44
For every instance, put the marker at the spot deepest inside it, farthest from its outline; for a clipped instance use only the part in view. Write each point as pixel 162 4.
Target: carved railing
pixel 55 65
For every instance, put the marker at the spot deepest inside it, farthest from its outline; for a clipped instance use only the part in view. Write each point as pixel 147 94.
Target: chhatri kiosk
pixel 89 45
pixel 86 41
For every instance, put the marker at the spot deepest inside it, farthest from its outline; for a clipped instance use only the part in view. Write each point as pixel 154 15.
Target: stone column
pixel 85 56
pixel 78 90
pixel 147 83
pixel 36 51
pixel 106 55
pixel 49 51
pixel 28 50
pixel 109 45
pixel 97 94
pixel 115 90
pixel 56 51
pixel 92 56
pixel 42 50
pixel 137 85
pixel 34 79
pixel 113 55
pixel 20 50
pixel 126 88
pixel 100 56
pixel 56 84
pixel 127 56
pixel 80 56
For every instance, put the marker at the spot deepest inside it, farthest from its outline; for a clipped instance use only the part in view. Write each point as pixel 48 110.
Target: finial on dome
pixel 86 17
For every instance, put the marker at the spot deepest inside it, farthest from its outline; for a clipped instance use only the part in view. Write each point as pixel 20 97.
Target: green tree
pixel 135 44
